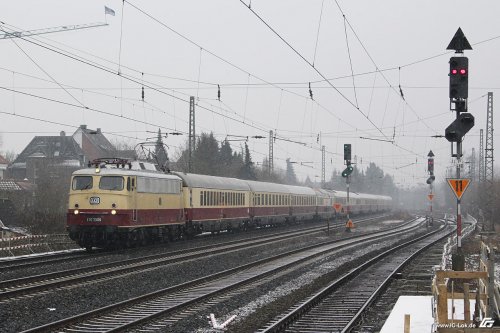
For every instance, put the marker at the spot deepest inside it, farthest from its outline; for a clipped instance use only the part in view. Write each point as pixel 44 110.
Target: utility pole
pixel 271 153
pixel 473 166
pixel 192 134
pixel 488 165
pixel 481 156
pixel 459 92
pixel 323 166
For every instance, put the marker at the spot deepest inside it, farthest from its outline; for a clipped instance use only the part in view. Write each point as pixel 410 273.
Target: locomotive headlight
pixel 113 205
pixel 76 206
pixel 97 170
pixel 76 211
pixel 113 212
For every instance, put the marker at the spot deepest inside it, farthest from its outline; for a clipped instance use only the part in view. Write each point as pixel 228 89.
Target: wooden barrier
pixel 455 285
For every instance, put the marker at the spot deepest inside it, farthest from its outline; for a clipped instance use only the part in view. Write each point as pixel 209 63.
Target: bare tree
pixel 10 155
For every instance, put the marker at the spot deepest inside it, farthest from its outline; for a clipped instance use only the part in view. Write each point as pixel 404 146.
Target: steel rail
pixel 157 299
pixel 36 283
pixel 306 306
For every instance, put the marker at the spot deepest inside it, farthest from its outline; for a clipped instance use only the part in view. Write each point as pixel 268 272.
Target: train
pixel 119 203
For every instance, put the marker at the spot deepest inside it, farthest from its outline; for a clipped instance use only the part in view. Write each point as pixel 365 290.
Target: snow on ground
pixel 296 283
pixel 420 310
pixel 393 222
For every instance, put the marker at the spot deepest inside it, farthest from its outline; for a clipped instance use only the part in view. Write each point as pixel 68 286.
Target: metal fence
pixel 34 244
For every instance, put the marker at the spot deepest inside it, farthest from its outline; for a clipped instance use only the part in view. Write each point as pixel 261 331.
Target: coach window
pixel 112 183
pixel 128 183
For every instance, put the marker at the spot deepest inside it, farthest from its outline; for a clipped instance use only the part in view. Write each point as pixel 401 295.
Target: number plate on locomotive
pixel 95 200
pixel 94 219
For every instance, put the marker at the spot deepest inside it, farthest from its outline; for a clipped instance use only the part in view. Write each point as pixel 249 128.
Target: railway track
pixel 145 309
pixel 30 261
pixel 339 305
pixel 33 285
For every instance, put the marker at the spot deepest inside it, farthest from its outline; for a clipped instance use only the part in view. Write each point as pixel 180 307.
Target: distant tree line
pixel 219 159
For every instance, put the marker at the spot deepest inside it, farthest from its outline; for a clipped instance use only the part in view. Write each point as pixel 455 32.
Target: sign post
pixel 458 93
pixel 430 180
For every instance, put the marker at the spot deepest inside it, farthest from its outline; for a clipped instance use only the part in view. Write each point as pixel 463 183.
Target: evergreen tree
pixel 206 157
pixel 160 153
pixel 248 169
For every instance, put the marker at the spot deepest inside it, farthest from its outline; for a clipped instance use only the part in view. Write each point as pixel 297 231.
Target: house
pixel 45 152
pixel 15 196
pixel 93 143
pixel 64 153
pixel 3 167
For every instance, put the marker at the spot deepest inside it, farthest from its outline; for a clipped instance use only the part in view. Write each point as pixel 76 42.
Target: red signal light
pixel 463 71
pixel 454 71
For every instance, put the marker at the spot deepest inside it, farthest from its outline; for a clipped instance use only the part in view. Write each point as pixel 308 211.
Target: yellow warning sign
pixel 430 196
pixel 458 186
pixel 337 207
pixel 349 224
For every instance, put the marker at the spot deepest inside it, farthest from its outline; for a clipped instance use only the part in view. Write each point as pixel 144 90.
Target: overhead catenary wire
pixel 136 80
pixel 310 64
pixel 198 81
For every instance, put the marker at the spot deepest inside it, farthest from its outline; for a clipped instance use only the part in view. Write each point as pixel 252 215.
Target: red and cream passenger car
pixel 120 206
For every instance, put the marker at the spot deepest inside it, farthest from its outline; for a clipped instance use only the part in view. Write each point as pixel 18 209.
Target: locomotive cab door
pixel 132 187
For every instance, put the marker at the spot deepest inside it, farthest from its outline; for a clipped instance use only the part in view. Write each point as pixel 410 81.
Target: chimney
pixel 62 133
pixel 84 127
pixel 98 131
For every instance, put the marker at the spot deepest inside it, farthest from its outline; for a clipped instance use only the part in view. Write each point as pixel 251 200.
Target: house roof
pixel 9 185
pixel 96 138
pixel 57 147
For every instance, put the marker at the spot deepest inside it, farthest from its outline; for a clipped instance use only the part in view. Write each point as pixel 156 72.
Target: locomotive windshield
pixel 112 183
pixel 82 183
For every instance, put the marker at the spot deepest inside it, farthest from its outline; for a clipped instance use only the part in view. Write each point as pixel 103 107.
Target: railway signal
pixel 347 152
pixel 345 174
pixel 347 171
pixel 459 77
pixel 430 180
pixel 459 92
pixel 459 127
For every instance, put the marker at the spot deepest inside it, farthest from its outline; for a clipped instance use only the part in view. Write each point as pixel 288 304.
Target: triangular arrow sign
pixel 459 42
pixel 458 186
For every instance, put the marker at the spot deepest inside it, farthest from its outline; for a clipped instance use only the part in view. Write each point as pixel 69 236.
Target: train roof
pixel 323 193
pixel 213 182
pixel 267 187
pixel 124 172
pixel 300 190
pixel 343 194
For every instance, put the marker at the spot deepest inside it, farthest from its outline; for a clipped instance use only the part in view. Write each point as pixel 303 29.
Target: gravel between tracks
pixel 54 306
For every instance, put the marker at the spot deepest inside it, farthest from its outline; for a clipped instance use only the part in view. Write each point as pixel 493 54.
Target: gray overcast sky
pixel 187 47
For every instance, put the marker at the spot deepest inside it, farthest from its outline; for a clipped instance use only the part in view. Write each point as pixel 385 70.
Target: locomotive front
pixel 99 202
